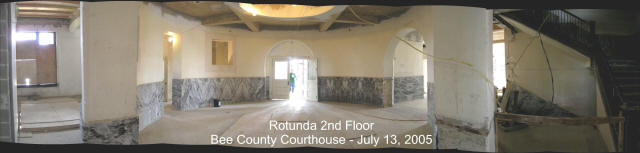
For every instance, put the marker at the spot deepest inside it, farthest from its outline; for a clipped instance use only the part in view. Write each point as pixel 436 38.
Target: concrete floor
pixel 50 110
pixel 70 136
pixel 50 120
pixel 251 119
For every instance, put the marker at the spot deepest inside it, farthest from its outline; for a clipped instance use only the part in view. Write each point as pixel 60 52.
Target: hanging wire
pixel 553 87
pixel 449 59
pixel 357 16
pixel 553 93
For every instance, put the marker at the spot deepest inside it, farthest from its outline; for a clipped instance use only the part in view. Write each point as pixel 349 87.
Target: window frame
pixel 208 66
pixel 37 42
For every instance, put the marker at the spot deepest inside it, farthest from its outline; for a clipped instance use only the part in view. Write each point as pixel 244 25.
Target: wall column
pixel 110 46
pixel 464 101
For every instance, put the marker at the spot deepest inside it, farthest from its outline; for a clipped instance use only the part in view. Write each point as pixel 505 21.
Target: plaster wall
pixel 356 51
pixel 350 52
pixel 574 79
pixel 110 46
pixel 408 62
pixel 462 96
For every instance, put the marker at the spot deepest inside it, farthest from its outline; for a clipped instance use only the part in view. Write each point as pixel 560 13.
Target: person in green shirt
pixel 292 80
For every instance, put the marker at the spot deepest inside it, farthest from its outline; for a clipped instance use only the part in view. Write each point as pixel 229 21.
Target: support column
pixel 464 101
pixel 109 48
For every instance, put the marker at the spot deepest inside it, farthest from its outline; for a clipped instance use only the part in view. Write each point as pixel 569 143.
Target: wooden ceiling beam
pixel 75 14
pixel 222 20
pixel 325 26
pixel 44 16
pixel 253 26
pixel 53 12
pixel 46 8
pixel 350 18
pixel 51 3
pixel 21 14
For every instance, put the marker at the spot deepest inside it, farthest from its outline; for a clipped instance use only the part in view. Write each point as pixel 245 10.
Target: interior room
pixel 48 72
pixel 455 77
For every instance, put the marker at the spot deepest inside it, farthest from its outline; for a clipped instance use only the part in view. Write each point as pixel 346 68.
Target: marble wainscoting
pixel 121 132
pixel 430 104
pixel 408 88
pixel 357 90
pixel 150 102
pixel 194 93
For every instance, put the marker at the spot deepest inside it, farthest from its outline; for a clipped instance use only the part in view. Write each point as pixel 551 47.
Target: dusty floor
pixel 50 110
pixel 50 120
pixel 551 138
pixel 70 136
pixel 251 119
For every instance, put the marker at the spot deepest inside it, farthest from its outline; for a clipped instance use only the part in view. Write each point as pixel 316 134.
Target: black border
pixel 489 4
pixel 156 148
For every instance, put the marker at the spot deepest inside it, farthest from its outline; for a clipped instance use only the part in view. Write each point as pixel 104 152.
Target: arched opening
pixel 291 69
pixel 409 69
pixel 405 66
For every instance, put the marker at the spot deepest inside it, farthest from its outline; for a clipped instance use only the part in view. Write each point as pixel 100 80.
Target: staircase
pixel 618 77
pixel 626 74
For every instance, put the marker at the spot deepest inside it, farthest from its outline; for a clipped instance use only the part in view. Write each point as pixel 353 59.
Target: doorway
pixel 294 78
pixel 167 49
pixel 48 77
pixel 292 72
pixel 298 71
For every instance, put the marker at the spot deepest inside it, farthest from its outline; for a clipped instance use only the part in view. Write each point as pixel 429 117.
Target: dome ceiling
pixel 283 16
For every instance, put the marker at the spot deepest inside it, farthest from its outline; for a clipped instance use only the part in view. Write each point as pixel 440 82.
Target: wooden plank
pixel 548 120
pixel 221 20
pixel 461 126
pixel 43 14
pixel 45 8
pixel 349 18
pixel 51 3
pixel 325 26
pixel 75 14
pixel 43 11
pixel 253 26
pixel 355 18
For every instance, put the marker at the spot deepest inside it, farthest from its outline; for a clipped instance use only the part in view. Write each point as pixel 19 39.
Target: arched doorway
pixel 406 65
pixel 292 71
pixel 405 41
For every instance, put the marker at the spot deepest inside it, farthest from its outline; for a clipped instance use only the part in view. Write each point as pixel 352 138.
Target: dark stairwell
pixel 616 67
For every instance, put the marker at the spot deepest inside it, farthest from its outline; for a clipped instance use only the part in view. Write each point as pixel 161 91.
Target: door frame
pixel 272 76
pixel 304 53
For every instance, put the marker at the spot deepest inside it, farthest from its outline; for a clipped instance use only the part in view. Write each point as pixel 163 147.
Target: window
pixel 499 71
pixel 36 59
pixel 281 70
pixel 221 53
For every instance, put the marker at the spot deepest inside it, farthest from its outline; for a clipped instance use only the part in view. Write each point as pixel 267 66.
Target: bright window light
pixel 27 81
pixel 499 71
pixel 281 70
pixel 25 36
pixel 45 38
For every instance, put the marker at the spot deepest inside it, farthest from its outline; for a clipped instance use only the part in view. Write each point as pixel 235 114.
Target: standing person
pixel 292 81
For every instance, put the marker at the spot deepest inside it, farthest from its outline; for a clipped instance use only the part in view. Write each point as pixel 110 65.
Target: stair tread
pixel 626 94
pixel 620 68
pixel 627 78
pixel 629 85
pixel 621 59
pixel 627 71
